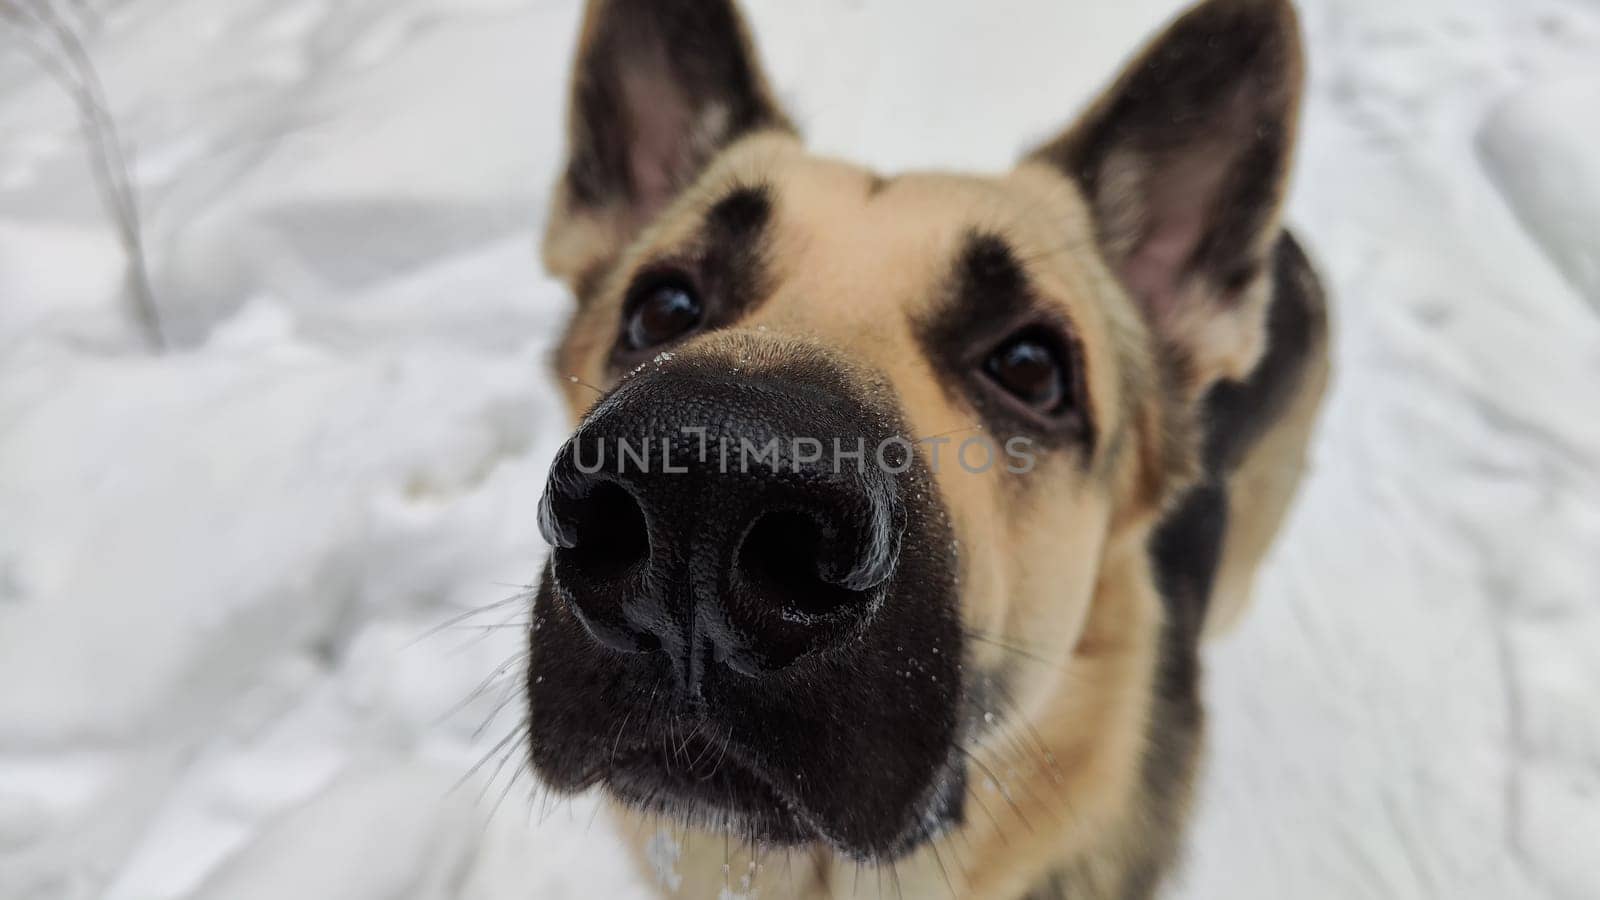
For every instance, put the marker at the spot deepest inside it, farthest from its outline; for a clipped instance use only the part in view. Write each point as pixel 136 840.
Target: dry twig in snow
pixel 55 44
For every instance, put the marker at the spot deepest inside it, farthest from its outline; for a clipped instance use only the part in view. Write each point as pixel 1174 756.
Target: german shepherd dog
pixel 1021 443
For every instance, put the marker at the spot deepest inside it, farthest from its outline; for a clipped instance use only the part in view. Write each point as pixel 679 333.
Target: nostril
pixel 607 532
pixel 603 544
pixel 783 559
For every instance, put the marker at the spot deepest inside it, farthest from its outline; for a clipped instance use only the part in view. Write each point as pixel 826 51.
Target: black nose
pixel 746 522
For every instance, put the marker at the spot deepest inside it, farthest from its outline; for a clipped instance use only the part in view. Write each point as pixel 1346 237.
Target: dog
pixel 1020 444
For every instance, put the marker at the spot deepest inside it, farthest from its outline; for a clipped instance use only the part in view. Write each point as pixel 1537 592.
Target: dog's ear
pixel 658 88
pixel 1184 163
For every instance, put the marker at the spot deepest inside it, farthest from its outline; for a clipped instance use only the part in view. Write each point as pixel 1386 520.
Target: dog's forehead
pixel 855 244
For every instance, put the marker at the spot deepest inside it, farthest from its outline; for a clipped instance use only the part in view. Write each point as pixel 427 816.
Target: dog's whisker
pixel 510 783
pixel 1007 640
pixel 500 626
pixel 524 594
pixel 938 859
pixel 1047 756
pixel 933 437
pixel 573 379
pixel 1021 737
pixel 489 681
pixel 975 794
pixel 704 751
pixel 512 696
pixel 683 751
pixel 594 813
pixel 716 767
pixel 666 747
pixel 516 734
pixel 546 807
pixel 998 731
pixel 1000 786
pixel 960 844
pixel 488 820
pixel 967 846
pixel 617 741
pixel 1060 664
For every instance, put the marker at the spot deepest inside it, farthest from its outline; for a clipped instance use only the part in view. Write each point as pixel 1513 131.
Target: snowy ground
pixel 220 568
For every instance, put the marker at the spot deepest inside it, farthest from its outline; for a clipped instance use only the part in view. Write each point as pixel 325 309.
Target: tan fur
pixel 1055 581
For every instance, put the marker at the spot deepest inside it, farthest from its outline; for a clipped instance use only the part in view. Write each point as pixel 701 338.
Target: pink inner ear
pixel 661 129
pixel 1180 198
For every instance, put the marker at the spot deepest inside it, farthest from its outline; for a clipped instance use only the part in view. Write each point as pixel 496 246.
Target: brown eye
pixel 1030 367
pixel 662 313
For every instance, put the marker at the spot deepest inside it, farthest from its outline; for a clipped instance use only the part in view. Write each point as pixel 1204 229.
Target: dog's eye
pixel 1031 367
pixel 663 312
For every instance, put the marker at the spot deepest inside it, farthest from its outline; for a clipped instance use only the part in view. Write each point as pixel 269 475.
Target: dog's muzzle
pixel 749 619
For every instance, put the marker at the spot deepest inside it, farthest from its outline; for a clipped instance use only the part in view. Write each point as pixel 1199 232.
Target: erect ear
pixel 1184 163
pixel 658 88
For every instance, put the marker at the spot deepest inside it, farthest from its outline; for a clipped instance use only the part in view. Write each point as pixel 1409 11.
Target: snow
pixel 1542 147
pixel 228 573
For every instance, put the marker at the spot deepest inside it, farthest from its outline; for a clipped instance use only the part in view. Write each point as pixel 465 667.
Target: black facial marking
pixel 739 215
pixel 734 261
pixel 989 273
pixel 726 266
pixel 877 184
pixel 991 299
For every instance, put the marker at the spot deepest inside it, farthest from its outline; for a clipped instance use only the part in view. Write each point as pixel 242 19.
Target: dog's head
pixel 846 442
